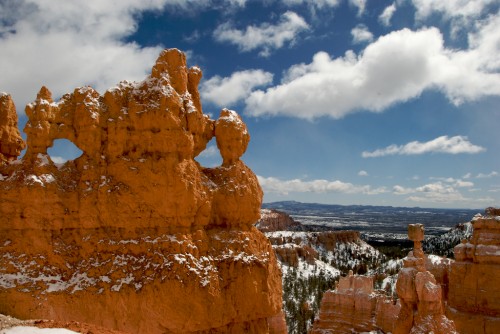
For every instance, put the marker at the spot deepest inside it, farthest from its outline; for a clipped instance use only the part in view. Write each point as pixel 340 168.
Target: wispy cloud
pixel 361 34
pixel 313 4
pixel 486 176
pixel 266 37
pixel 443 144
pixel 275 185
pixel 363 173
pixel 360 4
pixel 227 91
pixel 209 152
pixel 451 8
pixel 439 192
pixel 455 182
pixel 480 175
pixel 386 15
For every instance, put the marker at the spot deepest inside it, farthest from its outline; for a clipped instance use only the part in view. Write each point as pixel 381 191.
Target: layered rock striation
pixel 274 220
pixel 355 307
pixel 474 291
pixel 135 234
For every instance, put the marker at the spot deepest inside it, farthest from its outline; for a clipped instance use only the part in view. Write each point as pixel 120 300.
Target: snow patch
pixel 40 179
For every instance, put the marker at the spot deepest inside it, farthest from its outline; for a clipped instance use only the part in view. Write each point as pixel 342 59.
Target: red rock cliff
pixel 273 220
pixel 134 235
pixel 354 307
pixel 474 290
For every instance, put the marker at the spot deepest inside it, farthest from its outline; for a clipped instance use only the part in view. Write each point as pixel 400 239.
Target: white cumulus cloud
pixel 443 144
pixel 361 34
pixel 363 173
pixel 229 90
pixel 275 185
pixel 65 44
pixel 395 68
pixel 68 44
pixel 266 37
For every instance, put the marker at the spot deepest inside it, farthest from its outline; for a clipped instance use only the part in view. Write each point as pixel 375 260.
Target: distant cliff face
pixel 134 234
pixel 355 307
pixel 436 294
pixel 273 220
pixel 292 243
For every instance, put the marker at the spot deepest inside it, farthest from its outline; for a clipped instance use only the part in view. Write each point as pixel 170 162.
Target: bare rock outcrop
pixel 134 235
pixel 11 143
pixel 274 220
pixel 354 307
pixel 292 246
pixel 420 295
pixel 474 292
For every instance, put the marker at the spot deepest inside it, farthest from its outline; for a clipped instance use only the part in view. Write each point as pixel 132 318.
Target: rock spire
pixel 420 296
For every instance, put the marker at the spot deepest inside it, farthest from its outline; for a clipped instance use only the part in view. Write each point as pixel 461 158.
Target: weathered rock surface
pixel 134 235
pixel 273 220
pixel 354 307
pixel 419 293
pixel 11 143
pixel 474 290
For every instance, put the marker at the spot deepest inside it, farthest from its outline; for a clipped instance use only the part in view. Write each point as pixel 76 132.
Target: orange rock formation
pixel 11 143
pixel 273 220
pixel 437 295
pixel 420 295
pixel 474 290
pixel 355 307
pixel 134 235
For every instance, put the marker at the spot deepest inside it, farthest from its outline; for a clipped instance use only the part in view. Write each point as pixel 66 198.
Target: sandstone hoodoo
pixel 420 295
pixel 134 235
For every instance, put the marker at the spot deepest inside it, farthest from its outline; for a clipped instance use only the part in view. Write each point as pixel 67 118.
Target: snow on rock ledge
pixel 134 235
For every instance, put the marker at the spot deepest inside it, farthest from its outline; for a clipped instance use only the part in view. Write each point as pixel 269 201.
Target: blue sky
pixel 347 101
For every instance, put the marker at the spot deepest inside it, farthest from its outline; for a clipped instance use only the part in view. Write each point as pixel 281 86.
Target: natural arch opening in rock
pixel 63 150
pixel 210 156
